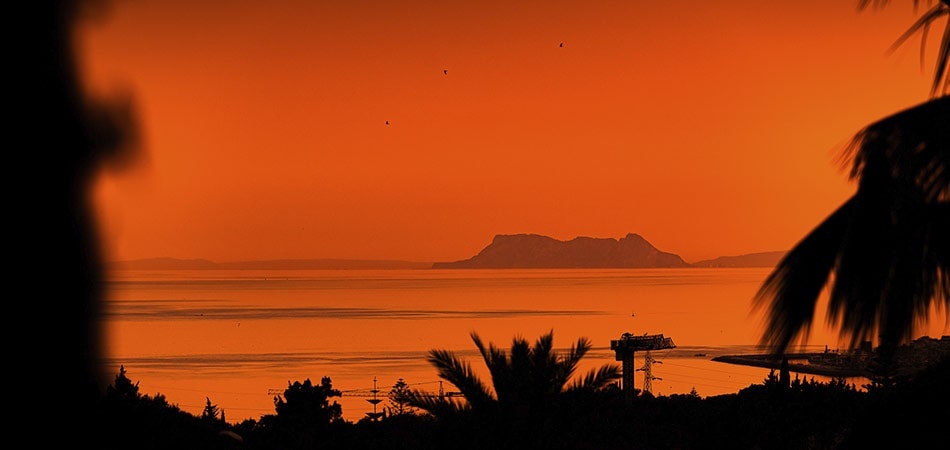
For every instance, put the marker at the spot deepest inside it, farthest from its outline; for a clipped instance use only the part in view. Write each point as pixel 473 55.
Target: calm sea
pixel 239 337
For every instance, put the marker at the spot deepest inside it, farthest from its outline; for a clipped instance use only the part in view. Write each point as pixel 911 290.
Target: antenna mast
pixel 375 401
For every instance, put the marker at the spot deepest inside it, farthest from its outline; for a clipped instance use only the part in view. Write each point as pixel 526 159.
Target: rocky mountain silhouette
pixel 534 251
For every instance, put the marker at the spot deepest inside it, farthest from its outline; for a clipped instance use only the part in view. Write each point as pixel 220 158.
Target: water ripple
pixel 136 310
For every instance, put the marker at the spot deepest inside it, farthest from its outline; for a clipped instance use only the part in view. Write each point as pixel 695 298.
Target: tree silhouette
pixel 211 412
pixel 885 252
pixel 525 382
pixel 122 387
pixel 400 398
pixel 304 417
pixel 123 393
pixel 128 418
pixel 309 403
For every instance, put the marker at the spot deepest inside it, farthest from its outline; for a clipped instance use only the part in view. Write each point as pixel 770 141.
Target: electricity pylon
pixel 648 372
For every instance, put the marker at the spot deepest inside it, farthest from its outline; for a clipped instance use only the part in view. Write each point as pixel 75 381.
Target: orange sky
pixel 710 128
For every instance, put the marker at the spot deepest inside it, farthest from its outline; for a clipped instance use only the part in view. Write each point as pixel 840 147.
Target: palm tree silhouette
pixel 525 382
pixel 885 253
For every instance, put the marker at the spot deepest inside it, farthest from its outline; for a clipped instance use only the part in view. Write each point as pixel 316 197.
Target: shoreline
pixel 803 363
pixel 911 358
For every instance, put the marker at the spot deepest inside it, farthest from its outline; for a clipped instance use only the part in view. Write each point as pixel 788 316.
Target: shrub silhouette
pixel 304 416
pixel 127 418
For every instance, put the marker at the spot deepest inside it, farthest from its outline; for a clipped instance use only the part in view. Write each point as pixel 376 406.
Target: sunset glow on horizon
pixel 419 130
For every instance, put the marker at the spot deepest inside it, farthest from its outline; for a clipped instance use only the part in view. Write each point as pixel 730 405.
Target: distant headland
pixel 506 251
pixel 534 251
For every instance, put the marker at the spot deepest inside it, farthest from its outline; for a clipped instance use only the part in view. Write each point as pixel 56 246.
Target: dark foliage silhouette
pixel 305 416
pixel 66 137
pixel 885 252
pixel 526 381
pixel 918 408
pixel 126 418
pixel 212 413
pixel 785 411
pixel 400 397
pixel 935 11
pixel 529 398
pixel 309 403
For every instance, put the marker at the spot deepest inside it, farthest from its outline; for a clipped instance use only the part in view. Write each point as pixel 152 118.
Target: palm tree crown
pixel 885 253
pixel 524 381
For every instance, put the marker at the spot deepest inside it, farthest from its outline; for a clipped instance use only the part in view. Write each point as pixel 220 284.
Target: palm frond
pixel 496 360
pixel 790 292
pixel 542 354
pixel 522 356
pixel 909 145
pixel 435 405
pixel 892 267
pixel 461 375
pixel 922 25
pixel 943 57
pixel 885 251
pixel 941 81
pixel 596 379
pixel 572 359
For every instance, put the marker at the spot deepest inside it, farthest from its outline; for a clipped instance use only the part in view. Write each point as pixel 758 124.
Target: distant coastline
pixel 271 264
pixel 520 251
pixel 913 357
pixel 166 263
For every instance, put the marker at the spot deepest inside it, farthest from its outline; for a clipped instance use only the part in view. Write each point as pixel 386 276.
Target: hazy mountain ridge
pixel 760 259
pixel 272 264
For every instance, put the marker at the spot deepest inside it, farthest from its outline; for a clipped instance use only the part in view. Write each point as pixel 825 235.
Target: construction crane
pixel 372 396
pixel 627 345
